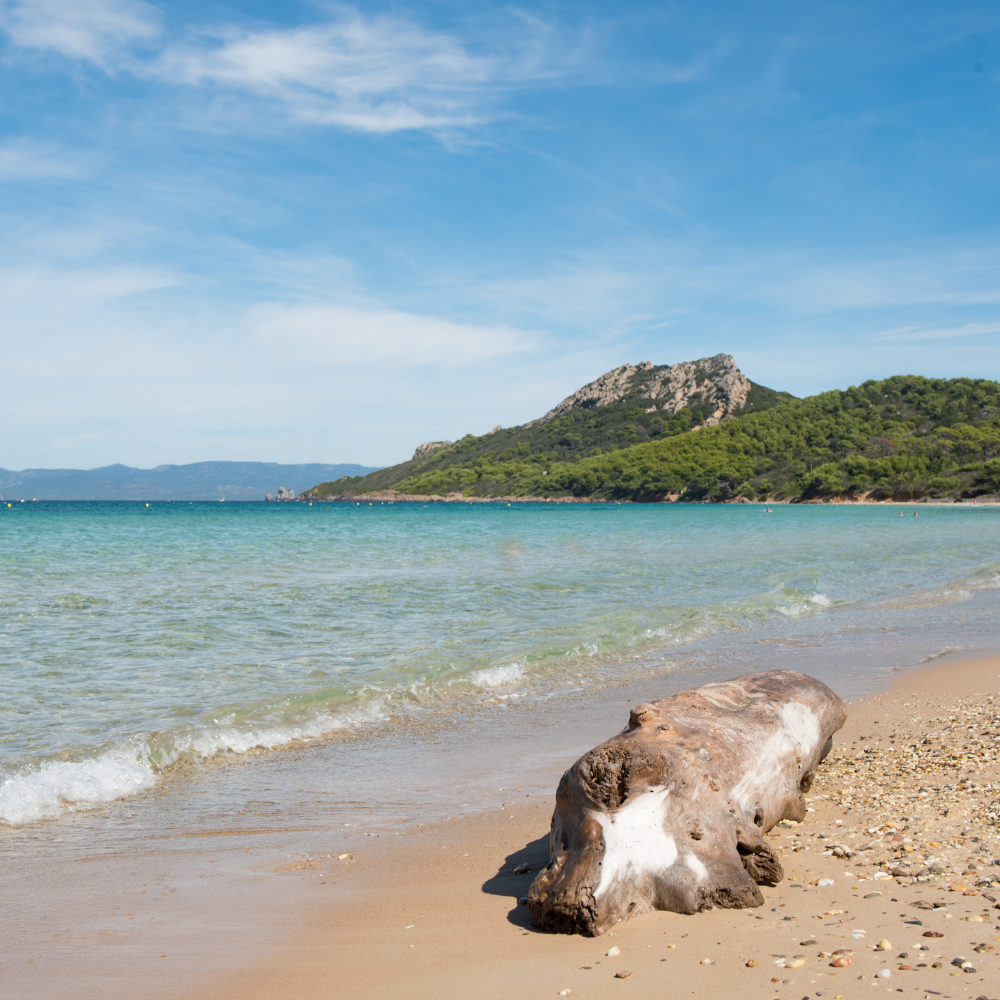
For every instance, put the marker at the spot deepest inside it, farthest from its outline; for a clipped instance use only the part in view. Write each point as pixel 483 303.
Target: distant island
pixel 702 431
pixel 198 481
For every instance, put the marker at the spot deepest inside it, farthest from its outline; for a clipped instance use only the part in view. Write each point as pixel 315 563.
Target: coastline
pixel 434 913
pixel 394 496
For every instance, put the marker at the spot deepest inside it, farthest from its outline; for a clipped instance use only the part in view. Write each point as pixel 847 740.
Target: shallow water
pixel 142 647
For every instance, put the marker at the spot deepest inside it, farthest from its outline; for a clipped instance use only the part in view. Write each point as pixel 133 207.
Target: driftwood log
pixel 670 814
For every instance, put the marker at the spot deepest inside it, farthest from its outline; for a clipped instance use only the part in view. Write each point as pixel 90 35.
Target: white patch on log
pixel 694 863
pixel 635 839
pixel 799 731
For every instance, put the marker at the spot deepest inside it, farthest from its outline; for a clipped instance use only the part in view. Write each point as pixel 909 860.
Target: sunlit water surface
pixel 151 647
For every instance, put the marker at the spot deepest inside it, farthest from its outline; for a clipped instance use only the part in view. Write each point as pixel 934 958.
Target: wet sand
pixel 905 822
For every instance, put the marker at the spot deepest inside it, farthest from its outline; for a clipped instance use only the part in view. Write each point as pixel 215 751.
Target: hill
pixel 903 437
pixel 626 406
pixel 198 481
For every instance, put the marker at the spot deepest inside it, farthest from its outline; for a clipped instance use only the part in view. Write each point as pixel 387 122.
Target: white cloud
pixel 371 74
pixel 326 334
pixel 23 160
pixel 378 74
pixel 94 30
pixel 912 333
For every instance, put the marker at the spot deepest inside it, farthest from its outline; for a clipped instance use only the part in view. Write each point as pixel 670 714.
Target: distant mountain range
pixel 198 481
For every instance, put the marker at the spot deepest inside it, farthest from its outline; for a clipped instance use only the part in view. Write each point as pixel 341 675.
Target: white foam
pixel 821 599
pixel 58 786
pixel 500 676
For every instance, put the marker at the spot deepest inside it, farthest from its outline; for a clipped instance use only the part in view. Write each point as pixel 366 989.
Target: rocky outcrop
pixel 428 446
pixel 284 494
pixel 609 388
pixel 715 381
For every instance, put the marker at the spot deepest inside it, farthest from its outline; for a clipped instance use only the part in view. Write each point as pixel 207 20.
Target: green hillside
pixel 906 436
pixel 578 434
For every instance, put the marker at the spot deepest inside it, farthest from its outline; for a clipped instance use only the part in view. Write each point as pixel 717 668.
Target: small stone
pixel 563 993
pixel 795 963
pixel 872 895
pixel 343 857
pixel 523 901
pixel 825 881
pixel 904 968
pixel 883 945
pixel 752 963
pixel 806 944
pixel 933 934
pixel 521 869
pixel 968 968
pixel 883 974
pixel 613 950
pixel 624 974
pixel 841 962
pixel 706 961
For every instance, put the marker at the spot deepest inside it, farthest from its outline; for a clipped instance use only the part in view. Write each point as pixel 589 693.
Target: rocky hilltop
pixel 716 381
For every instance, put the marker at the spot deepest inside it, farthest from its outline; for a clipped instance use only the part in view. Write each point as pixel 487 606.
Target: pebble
pixel 883 974
pixel 624 974
pixel 825 881
pixel 706 961
pixel 521 869
pixel 872 895
pixel 343 857
pixel 614 950
pixel 841 962
pixel 883 945
pixel 752 963
pixel 795 963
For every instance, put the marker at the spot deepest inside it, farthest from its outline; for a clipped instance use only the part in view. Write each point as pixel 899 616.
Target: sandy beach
pixel 898 849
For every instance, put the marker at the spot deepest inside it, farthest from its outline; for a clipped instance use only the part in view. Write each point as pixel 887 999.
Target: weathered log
pixel 671 813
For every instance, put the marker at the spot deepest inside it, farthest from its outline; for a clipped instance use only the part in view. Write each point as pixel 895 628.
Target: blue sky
pixel 321 232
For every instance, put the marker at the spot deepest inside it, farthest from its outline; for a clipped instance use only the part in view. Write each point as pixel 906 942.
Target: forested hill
pixel 626 406
pixel 905 436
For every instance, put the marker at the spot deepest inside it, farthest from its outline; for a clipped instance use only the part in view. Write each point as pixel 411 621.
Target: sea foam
pixel 499 676
pixel 57 787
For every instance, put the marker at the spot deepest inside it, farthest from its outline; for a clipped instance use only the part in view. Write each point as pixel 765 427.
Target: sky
pixel 320 232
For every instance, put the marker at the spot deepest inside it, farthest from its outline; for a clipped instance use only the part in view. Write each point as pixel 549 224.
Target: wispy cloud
pixel 375 74
pixel 378 75
pixel 908 334
pixel 24 160
pixel 94 30
pixel 326 334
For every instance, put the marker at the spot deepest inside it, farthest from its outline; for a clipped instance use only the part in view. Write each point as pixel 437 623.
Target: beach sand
pixel 911 793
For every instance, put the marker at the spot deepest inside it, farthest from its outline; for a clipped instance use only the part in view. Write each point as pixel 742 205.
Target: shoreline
pixel 432 910
pixel 436 914
pixel 394 496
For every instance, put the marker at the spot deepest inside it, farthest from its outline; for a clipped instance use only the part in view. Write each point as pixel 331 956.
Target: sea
pixel 191 666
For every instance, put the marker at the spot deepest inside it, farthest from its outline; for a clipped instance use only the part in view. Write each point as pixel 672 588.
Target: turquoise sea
pixel 138 642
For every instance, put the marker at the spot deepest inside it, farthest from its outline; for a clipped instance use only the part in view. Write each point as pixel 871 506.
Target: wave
pixel 57 787
pixel 60 786
pixel 500 676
